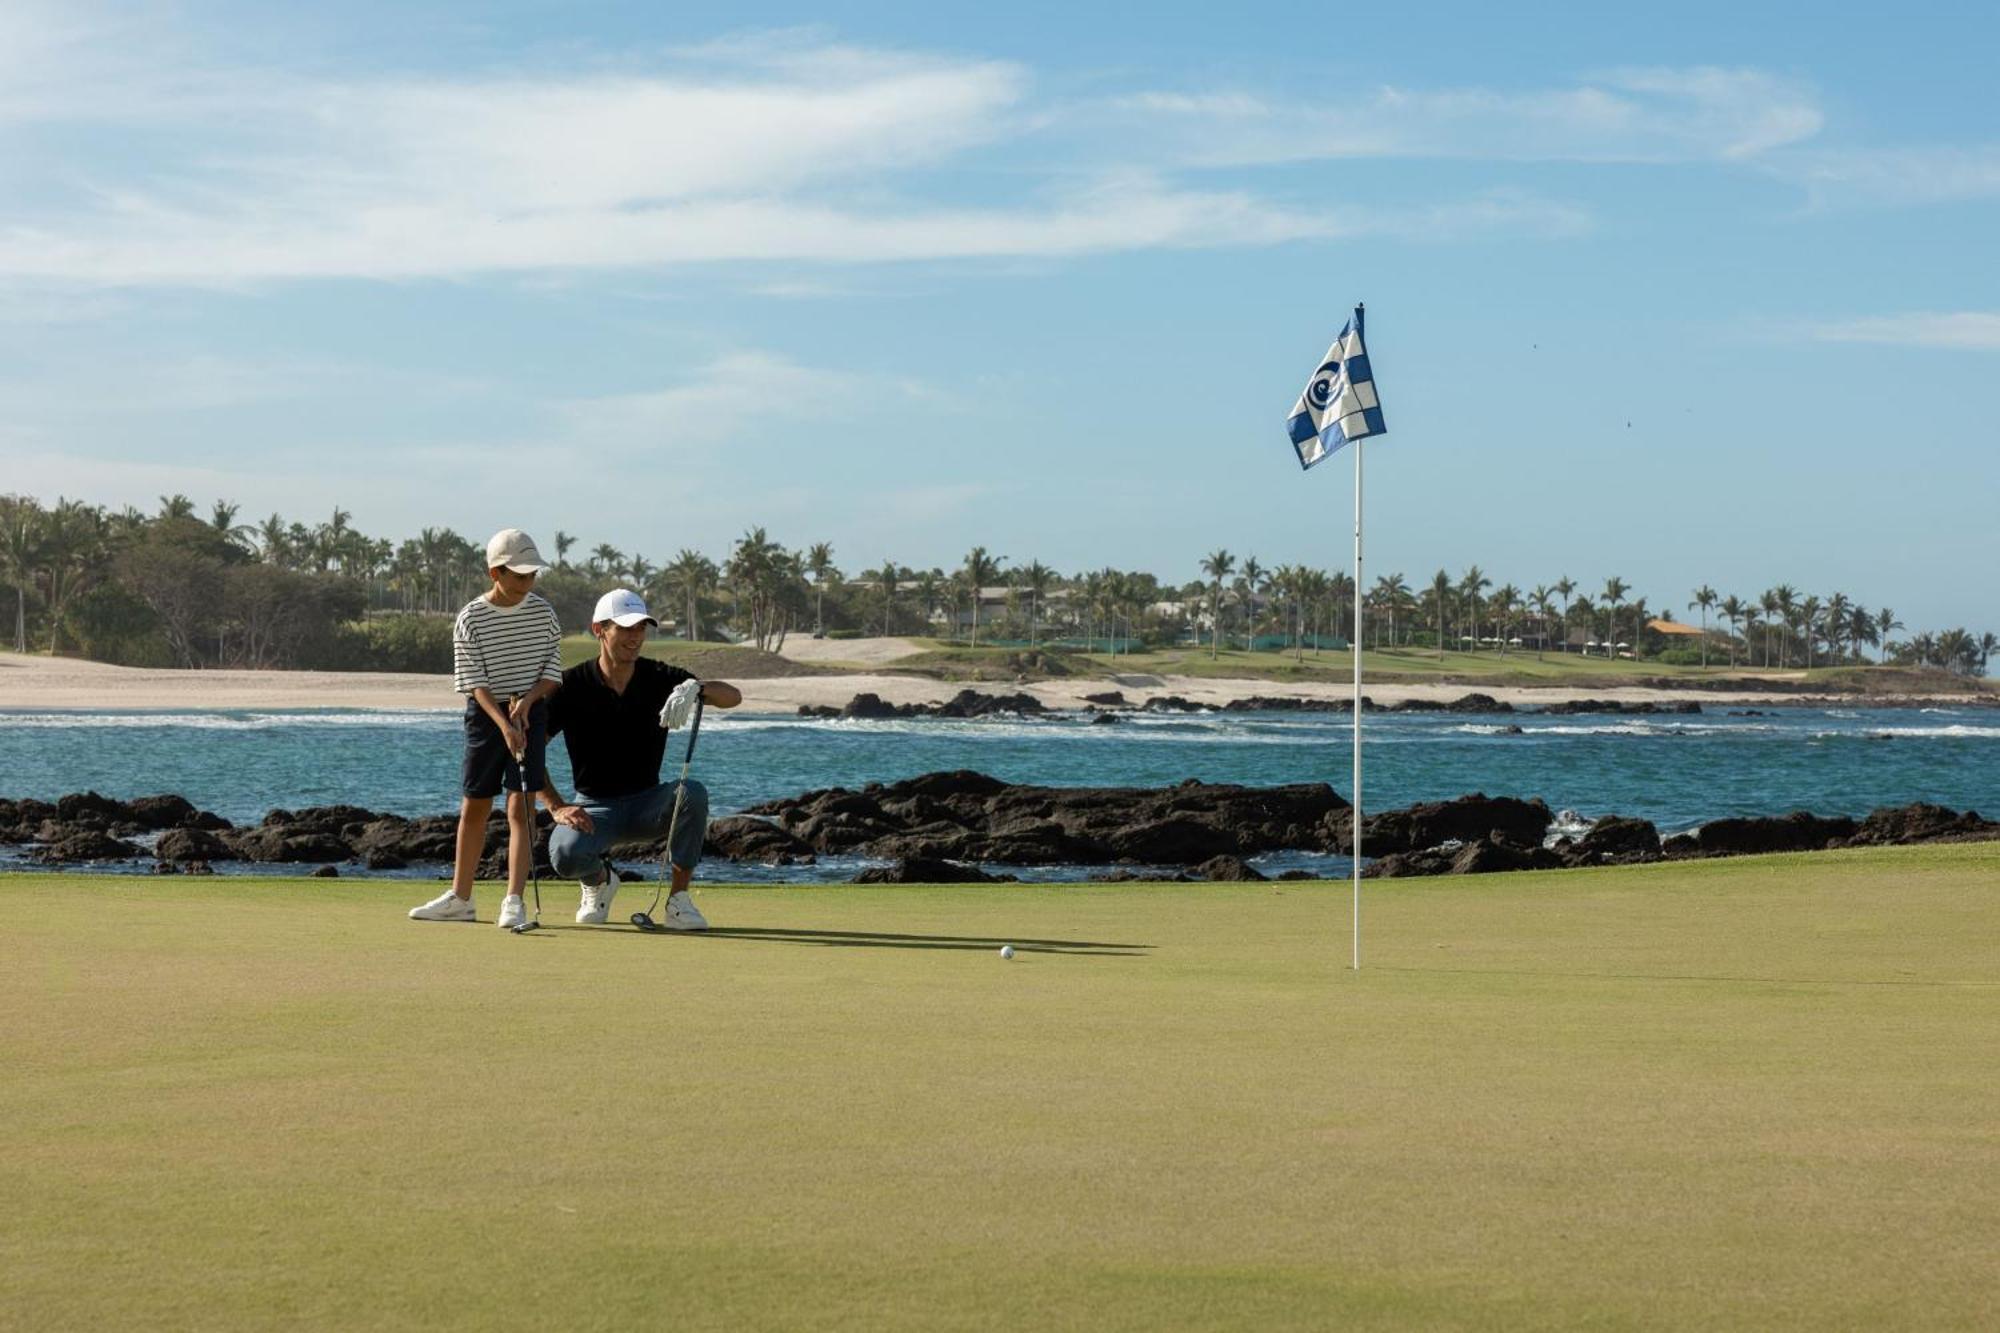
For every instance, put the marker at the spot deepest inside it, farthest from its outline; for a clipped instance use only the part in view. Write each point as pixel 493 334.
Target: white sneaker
pixel 512 911
pixel 594 906
pixel 447 906
pixel 682 914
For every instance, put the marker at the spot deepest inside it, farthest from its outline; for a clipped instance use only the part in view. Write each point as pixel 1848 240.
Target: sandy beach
pixel 44 683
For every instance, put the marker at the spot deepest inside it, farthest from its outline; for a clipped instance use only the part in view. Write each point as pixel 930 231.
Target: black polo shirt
pixel 614 740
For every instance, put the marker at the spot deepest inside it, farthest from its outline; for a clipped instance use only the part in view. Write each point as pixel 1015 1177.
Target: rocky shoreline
pixel 943 827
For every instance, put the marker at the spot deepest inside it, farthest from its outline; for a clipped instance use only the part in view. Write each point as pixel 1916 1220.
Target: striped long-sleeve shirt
pixel 505 648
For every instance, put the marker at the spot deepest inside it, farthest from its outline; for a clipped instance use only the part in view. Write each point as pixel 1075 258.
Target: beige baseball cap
pixel 511 548
pixel 624 607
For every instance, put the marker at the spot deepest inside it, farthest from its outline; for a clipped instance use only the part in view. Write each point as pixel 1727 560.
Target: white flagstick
pixel 1356 806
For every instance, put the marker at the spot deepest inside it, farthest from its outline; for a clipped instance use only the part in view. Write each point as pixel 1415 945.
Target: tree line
pixel 182 587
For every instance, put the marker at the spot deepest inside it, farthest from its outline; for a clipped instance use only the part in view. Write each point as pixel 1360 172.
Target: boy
pixel 505 647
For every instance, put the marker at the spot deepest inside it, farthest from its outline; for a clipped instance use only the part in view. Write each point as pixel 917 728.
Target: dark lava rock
pixel 1795 832
pixel 1172 703
pixel 326 872
pixel 1260 703
pixel 972 817
pixel 432 838
pixel 279 843
pixel 87 845
pixel 1576 706
pixel 384 861
pixel 164 811
pixel 1487 856
pixel 1404 865
pixel 1465 703
pixel 1464 819
pixel 1103 719
pixel 818 711
pixel 1615 840
pixel 1297 874
pixel 1116 697
pixel 197 868
pixel 1221 869
pixel 924 870
pixel 1922 822
pixel 964 704
pixel 745 838
pixel 79 806
pixel 165 868
pixel 190 844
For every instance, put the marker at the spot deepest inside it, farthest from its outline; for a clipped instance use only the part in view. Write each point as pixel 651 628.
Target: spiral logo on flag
pixel 1320 392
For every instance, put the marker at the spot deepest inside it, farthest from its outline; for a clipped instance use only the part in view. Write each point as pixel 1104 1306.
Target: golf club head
pixel 527 926
pixel 643 922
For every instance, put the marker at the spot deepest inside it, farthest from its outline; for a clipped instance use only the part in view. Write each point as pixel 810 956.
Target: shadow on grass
pixel 876 939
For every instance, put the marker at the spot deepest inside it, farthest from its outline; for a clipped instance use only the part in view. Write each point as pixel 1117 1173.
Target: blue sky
pixel 1705 295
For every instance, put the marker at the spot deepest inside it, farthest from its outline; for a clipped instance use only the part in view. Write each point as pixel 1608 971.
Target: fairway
pixel 1752 1093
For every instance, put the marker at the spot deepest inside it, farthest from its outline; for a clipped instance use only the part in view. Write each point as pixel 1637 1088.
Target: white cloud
pixel 1895 176
pixel 767 151
pixel 1634 115
pixel 729 399
pixel 1972 330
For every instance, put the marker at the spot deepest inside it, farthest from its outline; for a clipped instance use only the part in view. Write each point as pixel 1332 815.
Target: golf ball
pixel 1006 951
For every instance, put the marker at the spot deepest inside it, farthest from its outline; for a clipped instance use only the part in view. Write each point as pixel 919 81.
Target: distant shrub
pixel 398 642
pixel 845 634
pixel 1688 654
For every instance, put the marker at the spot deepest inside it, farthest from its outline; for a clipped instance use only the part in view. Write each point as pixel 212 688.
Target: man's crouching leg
pixel 685 853
pixel 581 856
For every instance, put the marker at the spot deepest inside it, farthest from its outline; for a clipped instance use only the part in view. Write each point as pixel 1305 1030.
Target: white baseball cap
pixel 624 607
pixel 511 548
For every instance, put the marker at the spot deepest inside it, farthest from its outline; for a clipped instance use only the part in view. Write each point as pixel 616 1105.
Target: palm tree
pixel 887 580
pixel 563 542
pixel 819 563
pixel 1861 628
pixel 1615 589
pixel 1885 625
pixel 1505 599
pixel 1247 589
pixel 604 559
pixel 20 553
pixel 1957 651
pixel 1987 644
pixel 980 569
pixel 1704 597
pixel 1217 567
pixel 1034 579
pixel 1471 584
pixel 1785 602
pixel 71 545
pixel 930 591
pixel 176 506
pixel 691 576
pixel 1390 593
pixel 1440 589
pixel 1836 621
pixel 1733 609
pixel 1563 588
pixel 1808 612
pixel 1544 601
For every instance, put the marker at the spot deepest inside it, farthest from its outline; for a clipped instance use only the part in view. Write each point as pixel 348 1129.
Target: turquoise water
pixel 1677 771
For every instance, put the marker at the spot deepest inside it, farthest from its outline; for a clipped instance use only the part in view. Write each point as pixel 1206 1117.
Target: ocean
pixel 1676 770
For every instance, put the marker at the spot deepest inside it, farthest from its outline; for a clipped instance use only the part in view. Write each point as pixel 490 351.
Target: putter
pixel 534 869
pixel 644 920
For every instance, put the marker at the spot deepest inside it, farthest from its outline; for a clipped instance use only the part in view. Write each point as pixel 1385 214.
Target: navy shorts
pixel 488 766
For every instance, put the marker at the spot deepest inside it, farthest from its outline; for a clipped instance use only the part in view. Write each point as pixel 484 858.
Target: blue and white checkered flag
pixel 1339 402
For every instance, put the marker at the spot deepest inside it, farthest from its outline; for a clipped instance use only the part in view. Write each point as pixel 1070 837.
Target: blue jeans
pixel 641 817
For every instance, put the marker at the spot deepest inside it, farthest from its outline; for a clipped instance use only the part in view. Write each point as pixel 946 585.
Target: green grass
pixel 1752 1094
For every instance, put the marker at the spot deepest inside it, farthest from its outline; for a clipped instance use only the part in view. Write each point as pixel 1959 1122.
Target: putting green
pixel 1753 1093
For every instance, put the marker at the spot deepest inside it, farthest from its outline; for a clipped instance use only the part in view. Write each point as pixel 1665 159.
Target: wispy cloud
pixel 1894 177
pixel 1973 330
pixel 1634 115
pixel 788 149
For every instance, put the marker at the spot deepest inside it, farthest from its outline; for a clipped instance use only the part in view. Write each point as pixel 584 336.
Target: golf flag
pixel 1339 402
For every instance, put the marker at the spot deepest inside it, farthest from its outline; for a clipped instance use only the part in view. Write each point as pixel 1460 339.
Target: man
pixel 611 713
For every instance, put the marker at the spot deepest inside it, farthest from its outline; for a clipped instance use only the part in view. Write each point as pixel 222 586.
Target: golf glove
pixel 680 705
